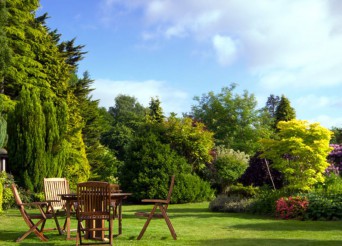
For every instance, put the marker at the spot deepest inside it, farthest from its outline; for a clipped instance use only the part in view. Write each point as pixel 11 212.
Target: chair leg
pixel 64 226
pixel 168 222
pixel 57 224
pixel 78 234
pixel 111 232
pixel 147 222
pixel 35 230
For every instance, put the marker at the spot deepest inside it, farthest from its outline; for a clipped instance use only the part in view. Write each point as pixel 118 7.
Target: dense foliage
pixel 337 137
pixel 284 111
pixel 260 172
pixel 293 207
pixel 150 163
pixel 299 153
pixel 233 118
pixel 229 165
pixel 189 139
pixel 52 127
pixel 3 131
pixel 335 156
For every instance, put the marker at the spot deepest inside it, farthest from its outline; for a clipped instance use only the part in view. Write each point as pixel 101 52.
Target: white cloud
pixel 282 42
pixel 288 47
pixel 226 49
pixel 315 102
pixel 172 100
pixel 327 121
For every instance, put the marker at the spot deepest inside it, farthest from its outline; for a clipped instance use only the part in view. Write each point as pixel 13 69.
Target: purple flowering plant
pixel 335 160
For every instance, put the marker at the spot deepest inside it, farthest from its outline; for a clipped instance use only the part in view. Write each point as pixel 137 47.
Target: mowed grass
pixel 195 225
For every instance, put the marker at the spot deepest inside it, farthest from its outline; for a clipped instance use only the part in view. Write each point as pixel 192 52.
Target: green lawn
pixel 195 225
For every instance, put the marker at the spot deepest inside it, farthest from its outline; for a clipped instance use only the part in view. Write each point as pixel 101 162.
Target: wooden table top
pixel 73 196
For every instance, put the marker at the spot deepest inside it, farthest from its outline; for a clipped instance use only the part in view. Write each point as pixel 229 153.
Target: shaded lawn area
pixel 194 225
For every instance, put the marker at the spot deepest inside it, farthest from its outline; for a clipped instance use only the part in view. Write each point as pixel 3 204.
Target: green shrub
pixel 265 201
pixel 243 191
pixel 230 165
pixel 1 196
pixel 38 197
pixel 233 203
pixel 324 207
pixel 331 185
pixel 3 177
pixel 7 199
pixel 190 188
pixel 149 166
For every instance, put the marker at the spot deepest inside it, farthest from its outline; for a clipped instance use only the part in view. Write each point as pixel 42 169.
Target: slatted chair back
pixel 53 187
pixel 94 204
pixel 172 183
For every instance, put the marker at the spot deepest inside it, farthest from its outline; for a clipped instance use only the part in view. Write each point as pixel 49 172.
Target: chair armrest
pixel 39 205
pixel 49 201
pixel 35 204
pixel 155 201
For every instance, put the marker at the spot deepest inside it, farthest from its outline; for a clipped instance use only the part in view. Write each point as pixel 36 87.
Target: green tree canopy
pixel 299 153
pixel 272 104
pixel 155 112
pixel 126 116
pixel 233 118
pixel 229 165
pixel 45 72
pixel 190 139
pixel 4 49
pixel 337 136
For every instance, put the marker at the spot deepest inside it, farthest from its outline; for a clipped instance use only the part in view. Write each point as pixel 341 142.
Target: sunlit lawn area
pixel 195 225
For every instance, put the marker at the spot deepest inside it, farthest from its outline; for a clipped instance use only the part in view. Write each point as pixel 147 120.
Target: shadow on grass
pixel 281 225
pixel 200 213
pixel 268 242
pixel 55 239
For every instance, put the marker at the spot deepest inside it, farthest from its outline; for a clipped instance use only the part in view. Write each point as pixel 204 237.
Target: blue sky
pixel 178 49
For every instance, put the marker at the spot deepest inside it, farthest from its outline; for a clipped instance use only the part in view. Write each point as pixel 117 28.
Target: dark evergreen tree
pixel 4 50
pixel 73 53
pixel 337 137
pixel 38 64
pixel 155 111
pixel 3 131
pixel 272 104
pixel 284 111
pixel 27 131
pixel 102 160
pixel 126 117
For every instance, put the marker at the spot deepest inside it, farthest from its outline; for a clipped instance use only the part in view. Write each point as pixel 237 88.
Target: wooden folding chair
pixel 28 218
pixel 94 206
pixel 162 205
pixel 53 188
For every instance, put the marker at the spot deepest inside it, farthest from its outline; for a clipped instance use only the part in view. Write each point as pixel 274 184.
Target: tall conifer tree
pixel 39 64
pixel 284 111
pixel 27 131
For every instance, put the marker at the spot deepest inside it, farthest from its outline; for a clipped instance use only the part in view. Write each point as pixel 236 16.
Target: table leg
pixel 68 208
pixel 120 216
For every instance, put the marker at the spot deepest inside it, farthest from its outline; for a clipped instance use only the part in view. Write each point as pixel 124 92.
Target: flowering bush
pixel 335 156
pixel 291 207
